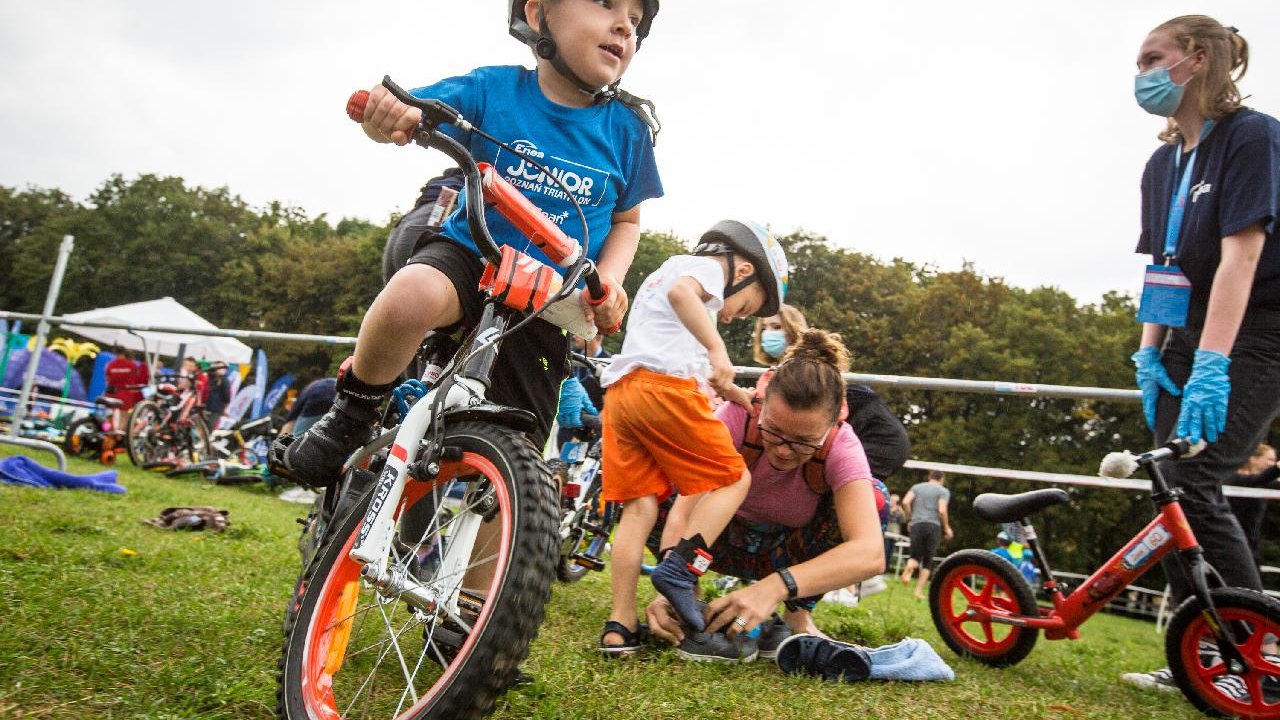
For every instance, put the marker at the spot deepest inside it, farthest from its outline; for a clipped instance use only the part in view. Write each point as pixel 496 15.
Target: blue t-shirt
pixel 603 153
pixel 1235 183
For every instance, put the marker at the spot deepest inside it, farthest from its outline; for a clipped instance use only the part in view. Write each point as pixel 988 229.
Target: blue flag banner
pixel 260 382
pixel 277 391
pixel 98 379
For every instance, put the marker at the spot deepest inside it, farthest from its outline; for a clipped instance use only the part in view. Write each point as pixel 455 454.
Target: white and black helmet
pixel 730 237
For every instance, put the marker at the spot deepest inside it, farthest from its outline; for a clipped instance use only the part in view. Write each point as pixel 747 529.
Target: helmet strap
pixel 726 251
pixel 545 48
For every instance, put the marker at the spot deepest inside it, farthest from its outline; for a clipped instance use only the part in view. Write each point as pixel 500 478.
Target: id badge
pixel 1166 296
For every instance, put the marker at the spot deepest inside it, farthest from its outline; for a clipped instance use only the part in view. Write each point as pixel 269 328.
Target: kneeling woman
pixel 798 541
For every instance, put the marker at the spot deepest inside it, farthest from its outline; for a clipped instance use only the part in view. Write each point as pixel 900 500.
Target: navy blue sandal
pixel 823 657
pixel 631 641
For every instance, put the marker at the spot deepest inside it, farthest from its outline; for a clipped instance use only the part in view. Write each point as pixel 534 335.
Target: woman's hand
pixel 745 608
pixel 663 621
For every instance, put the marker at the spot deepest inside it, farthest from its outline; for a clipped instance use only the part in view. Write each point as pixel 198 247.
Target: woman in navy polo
pixel 1209 360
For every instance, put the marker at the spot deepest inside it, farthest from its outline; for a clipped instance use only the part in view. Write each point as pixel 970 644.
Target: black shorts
pixel 533 361
pixel 925 537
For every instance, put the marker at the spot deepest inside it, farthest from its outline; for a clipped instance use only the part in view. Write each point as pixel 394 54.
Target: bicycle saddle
pixel 997 508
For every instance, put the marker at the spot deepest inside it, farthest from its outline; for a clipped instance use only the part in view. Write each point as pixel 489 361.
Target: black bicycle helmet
pixel 761 248
pixel 544 45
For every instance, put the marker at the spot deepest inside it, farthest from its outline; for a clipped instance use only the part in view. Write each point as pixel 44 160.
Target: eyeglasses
pixel 797 447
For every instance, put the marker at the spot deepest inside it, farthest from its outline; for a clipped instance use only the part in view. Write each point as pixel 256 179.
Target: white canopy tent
pixel 167 313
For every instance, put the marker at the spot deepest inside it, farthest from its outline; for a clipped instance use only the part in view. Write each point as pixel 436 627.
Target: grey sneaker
pixel 1161 680
pixel 772 632
pixel 717 647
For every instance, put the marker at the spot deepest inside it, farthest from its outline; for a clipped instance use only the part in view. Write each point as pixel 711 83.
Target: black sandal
pixel 631 641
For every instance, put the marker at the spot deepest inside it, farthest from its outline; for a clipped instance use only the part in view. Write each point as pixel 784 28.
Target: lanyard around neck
pixel 1178 203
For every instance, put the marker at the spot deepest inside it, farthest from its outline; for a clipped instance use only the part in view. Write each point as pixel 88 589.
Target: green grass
pixel 189 627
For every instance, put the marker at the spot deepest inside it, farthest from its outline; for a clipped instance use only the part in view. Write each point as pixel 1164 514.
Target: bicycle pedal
pixel 470 601
pixel 589 562
pixel 594 529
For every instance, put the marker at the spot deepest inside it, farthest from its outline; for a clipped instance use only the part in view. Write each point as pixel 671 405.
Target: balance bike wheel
pixel 1197 666
pixel 980 579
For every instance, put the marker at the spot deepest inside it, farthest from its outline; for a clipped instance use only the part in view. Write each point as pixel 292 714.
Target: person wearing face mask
pixel 1209 359
pixel 883 436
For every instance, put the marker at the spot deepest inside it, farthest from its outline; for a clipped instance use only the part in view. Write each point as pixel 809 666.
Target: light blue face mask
pixel 1156 92
pixel 773 342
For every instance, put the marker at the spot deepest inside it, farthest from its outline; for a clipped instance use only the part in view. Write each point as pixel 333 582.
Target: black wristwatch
pixel 790 582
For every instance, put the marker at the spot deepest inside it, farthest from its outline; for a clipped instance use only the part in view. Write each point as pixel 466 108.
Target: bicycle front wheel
pixel 142 434
pixel 1198 668
pixel 355 651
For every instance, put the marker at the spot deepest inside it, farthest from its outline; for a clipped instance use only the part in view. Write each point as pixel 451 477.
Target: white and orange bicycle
pixel 429 580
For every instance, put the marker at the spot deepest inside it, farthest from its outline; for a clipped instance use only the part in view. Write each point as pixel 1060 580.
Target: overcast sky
pixel 1002 133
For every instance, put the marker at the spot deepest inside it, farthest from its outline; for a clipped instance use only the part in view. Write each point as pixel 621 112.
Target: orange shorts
pixel 659 433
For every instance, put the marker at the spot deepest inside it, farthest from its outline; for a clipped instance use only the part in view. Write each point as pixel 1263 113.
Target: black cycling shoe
pixel 315 459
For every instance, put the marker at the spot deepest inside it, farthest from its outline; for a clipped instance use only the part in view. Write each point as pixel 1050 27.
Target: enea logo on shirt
pixel 587 184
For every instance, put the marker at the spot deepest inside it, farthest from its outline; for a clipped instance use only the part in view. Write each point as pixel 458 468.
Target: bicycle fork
pixel 375 536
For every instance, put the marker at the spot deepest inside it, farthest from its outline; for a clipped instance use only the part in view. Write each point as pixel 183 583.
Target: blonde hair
pixel 1226 57
pixel 810 375
pixel 793 324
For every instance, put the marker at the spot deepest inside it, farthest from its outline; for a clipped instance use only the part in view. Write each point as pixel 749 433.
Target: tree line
pixel 279 269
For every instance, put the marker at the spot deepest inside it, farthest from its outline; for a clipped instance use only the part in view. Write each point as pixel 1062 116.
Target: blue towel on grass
pixel 909 659
pixel 22 470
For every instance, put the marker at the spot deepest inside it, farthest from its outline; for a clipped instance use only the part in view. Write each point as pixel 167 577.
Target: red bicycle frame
pixel 1166 531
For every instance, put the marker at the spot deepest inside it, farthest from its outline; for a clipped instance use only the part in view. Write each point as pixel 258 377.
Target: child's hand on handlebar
pixel 608 315
pixel 386 119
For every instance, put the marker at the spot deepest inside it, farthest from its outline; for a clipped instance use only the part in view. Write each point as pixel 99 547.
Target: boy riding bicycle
pixel 560 114
pixel 659 430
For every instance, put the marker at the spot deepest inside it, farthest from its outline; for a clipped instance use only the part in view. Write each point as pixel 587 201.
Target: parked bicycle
pixel 586 521
pixel 239 454
pixel 165 431
pixel 984 608
pixel 430 576
pixel 93 436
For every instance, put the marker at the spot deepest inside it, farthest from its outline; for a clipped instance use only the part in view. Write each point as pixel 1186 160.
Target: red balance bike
pixel 1221 640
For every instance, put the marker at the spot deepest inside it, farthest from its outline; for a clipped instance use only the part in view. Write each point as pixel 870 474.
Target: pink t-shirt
pixel 782 496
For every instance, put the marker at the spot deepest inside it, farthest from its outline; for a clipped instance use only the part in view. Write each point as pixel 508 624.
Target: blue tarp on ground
pixel 21 470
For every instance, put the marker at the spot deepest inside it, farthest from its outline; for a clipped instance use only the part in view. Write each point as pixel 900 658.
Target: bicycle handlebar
pixel 483 181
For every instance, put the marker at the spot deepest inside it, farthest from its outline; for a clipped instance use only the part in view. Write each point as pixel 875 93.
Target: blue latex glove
pixel 1151 379
pixel 1204 406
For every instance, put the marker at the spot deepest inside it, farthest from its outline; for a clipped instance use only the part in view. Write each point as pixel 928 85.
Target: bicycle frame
pixel 411 456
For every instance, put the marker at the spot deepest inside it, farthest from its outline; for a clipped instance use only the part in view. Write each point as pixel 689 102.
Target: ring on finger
pixel 740 621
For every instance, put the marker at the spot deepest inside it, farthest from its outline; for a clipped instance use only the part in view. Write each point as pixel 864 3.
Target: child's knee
pixel 419 295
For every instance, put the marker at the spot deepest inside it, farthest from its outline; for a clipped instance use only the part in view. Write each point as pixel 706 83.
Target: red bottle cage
pixel 519 281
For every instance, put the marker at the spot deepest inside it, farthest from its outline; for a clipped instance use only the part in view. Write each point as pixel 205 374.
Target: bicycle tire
pixel 978 576
pixel 244 478
pixel 338 612
pixel 83 438
pixel 140 429
pixel 195 441
pixel 1252 616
